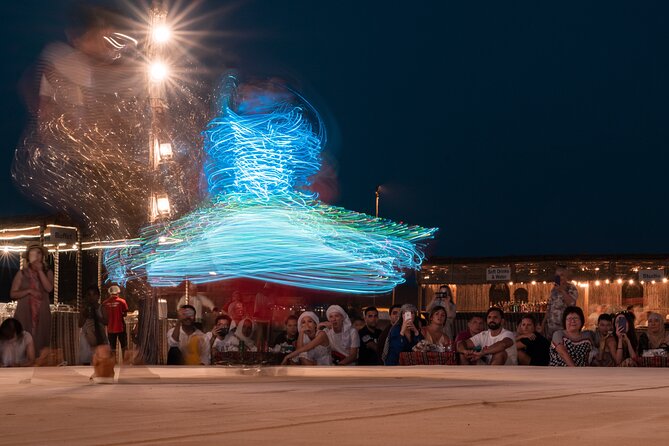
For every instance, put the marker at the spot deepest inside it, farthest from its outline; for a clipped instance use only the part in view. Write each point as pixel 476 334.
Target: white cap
pixel 114 290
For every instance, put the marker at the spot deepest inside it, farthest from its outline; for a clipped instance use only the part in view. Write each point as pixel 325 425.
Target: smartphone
pixel 407 315
pixel 557 280
pixel 621 324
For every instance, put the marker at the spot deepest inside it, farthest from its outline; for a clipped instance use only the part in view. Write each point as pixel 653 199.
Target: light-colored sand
pixel 357 406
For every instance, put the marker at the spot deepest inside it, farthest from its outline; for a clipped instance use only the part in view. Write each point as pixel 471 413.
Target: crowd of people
pixel 558 340
pixel 309 341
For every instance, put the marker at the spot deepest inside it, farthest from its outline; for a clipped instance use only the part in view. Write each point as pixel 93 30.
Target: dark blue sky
pixel 515 127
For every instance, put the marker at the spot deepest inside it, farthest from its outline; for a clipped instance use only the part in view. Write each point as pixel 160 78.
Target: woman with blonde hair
pixel 656 337
pixel 30 288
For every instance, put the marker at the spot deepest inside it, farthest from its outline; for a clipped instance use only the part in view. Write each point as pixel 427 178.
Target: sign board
pixel 498 274
pixel 63 235
pixel 649 275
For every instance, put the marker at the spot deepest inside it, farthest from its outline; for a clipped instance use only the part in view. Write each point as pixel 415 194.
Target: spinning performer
pixel 262 222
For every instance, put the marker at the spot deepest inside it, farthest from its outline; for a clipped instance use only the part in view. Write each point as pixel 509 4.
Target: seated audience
pixel 656 337
pixel 604 341
pixel 393 315
pixel 570 347
pixel 433 333
pixel 625 338
pixel 185 340
pixel 403 336
pixel 494 346
pixel 286 341
pixel 369 337
pixel 344 340
pixel 475 325
pixel 313 345
pixel 214 341
pixel 241 338
pixel 444 298
pixel 531 345
pixel 17 348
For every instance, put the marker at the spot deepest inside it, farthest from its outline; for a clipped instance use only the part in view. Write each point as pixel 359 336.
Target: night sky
pixel 515 127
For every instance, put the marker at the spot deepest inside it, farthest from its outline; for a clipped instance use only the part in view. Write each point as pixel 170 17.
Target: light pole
pixel 377 193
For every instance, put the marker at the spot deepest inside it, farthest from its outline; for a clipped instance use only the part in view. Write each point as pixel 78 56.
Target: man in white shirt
pixel 187 338
pixel 495 346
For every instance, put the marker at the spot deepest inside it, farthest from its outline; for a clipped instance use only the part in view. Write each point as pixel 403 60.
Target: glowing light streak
pixel 261 224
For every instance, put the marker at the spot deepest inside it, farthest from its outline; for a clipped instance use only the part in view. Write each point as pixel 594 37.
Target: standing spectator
pixel 433 333
pixel 313 345
pixel 570 346
pixel 116 309
pixel 92 321
pixel 357 323
pixel 237 312
pixel 287 340
pixel 475 325
pixel 564 294
pixel 369 339
pixel 16 345
pixel 626 339
pixel 444 298
pixel 344 340
pixel 185 340
pixel 214 341
pixel 394 315
pixel 605 342
pixel 656 337
pixel 236 306
pixel 198 301
pixel 403 336
pixel 30 288
pixel 494 346
pixel 532 346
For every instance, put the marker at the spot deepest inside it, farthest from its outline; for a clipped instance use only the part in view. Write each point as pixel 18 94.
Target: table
pixel 428 358
pixel 653 361
pixel 247 358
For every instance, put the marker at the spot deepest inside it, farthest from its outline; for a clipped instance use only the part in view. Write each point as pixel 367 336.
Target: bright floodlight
pixel 161 34
pixel 158 71
pixel 163 205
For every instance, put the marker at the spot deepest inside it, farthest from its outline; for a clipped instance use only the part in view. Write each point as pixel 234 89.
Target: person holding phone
pixel 626 339
pixel 214 340
pixel 564 294
pixel 403 336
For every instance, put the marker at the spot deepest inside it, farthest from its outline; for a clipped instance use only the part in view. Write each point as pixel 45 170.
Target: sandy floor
pixel 312 406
